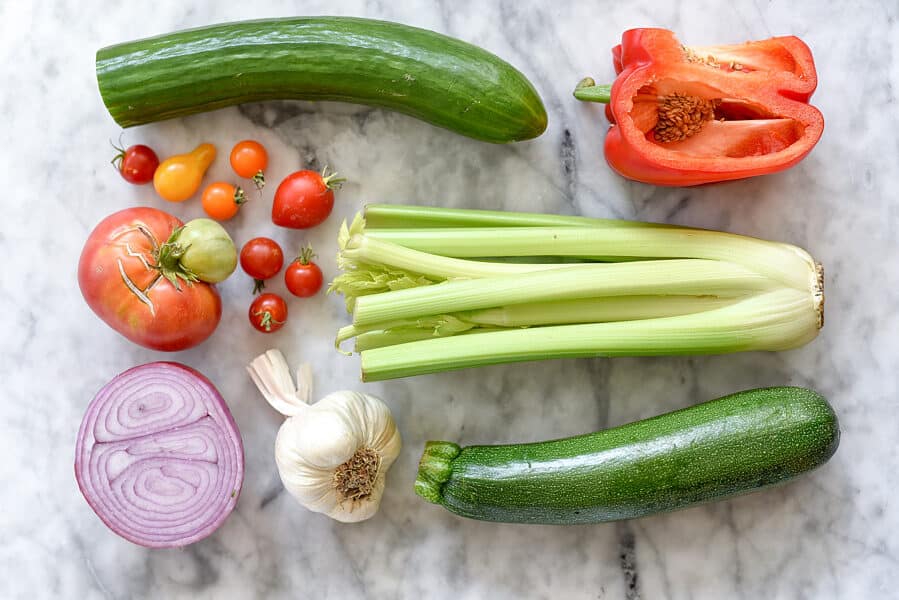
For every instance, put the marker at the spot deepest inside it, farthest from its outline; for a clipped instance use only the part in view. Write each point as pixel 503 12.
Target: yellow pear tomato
pixel 178 177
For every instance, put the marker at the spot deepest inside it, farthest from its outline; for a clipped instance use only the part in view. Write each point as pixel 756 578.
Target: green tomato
pixel 209 252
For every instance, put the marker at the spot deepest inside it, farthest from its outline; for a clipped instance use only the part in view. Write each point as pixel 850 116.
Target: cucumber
pixel 435 78
pixel 737 444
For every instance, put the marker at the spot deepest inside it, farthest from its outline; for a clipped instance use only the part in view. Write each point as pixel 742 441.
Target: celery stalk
pixel 392 215
pixel 594 310
pixel 672 277
pixel 378 338
pixel 563 312
pixel 369 250
pixel 776 320
pixel 787 264
pixel 437 325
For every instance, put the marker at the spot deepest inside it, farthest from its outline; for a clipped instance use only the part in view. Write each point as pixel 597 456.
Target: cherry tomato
pixel 304 199
pixel 221 200
pixel 261 259
pixel 249 160
pixel 136 164
pixel 178 177
pixel 303 277
pixel 268 313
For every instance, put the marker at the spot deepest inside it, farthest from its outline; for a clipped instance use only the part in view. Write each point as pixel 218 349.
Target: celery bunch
pixel 435 289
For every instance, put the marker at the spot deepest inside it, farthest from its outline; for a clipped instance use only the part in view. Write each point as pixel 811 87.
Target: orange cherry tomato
pixel 178 177
pixel 221 200
pixel 249 160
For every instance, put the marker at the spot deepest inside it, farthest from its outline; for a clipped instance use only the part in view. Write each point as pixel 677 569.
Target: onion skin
pixel 159 457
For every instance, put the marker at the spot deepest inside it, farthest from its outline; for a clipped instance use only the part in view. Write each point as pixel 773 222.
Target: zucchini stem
pixel 434 469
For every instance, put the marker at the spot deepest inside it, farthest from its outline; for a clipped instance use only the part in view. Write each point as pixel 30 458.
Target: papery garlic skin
pixel 310 447
pixel 318 438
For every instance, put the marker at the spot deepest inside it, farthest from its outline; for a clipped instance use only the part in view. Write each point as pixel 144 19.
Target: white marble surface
pixel 830 535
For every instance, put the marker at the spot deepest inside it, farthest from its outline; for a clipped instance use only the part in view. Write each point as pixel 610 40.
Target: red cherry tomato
pixel 303 277
pixel 136 164
pixel 249 160
pixel 268 313
pixel 304 199
pixel 261 258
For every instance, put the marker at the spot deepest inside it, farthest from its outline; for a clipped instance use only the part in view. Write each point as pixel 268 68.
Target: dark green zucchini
pixel 733 445
pixel 435 78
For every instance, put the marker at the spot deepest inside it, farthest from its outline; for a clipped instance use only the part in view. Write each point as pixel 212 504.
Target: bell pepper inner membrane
pixel 696 119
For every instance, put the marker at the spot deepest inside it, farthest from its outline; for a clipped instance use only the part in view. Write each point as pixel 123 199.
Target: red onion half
pixel 159 457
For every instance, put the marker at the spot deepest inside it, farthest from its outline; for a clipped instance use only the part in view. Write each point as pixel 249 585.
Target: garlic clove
pixel 325 439
pixel 371 420
pixel 311 486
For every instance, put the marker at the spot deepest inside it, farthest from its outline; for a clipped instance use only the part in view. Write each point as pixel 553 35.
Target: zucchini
pixel 436 78
pixel 736 444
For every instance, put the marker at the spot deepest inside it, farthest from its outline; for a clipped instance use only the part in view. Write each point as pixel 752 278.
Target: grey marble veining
pixel 829 535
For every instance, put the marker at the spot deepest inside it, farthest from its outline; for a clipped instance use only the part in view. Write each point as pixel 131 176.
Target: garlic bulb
pixel 333 455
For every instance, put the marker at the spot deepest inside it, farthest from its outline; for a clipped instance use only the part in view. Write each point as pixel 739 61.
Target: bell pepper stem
pixel 588 91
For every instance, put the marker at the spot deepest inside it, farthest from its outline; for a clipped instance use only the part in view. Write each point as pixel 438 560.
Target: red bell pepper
pixel 687 116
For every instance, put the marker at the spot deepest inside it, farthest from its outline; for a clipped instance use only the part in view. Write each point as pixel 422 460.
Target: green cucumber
pixel 436 78
pixel 736 444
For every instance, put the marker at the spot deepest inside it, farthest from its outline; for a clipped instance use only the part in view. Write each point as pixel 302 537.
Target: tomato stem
pixel 168 261
pixel 120 155
pixel 239 196
pixel 259 180
pixel 267 320
pixel 331 180
pixel 588 91
pixel 258 286
pixel 306 255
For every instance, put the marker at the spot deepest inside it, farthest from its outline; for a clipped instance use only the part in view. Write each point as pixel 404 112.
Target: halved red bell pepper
pixel 692 115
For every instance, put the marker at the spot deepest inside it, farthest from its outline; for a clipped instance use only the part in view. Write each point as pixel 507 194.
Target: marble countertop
pixel 829 535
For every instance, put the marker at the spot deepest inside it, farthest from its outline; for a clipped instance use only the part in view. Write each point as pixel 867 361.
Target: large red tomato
pixel 119 281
